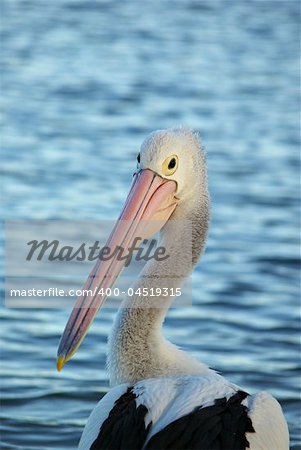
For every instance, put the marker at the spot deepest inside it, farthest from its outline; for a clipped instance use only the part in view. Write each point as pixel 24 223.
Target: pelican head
pixel 176 155
pixel 170 177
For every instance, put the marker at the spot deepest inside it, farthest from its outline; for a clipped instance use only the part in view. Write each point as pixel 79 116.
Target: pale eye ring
pixel 170 165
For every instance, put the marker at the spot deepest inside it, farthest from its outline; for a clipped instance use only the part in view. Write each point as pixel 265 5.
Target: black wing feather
pixel 124 429
pixel 218 427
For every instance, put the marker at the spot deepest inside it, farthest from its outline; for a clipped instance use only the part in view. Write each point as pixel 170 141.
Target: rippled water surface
pixel 82 83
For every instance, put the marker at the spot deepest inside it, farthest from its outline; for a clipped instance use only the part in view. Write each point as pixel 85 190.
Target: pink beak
pixel 149 205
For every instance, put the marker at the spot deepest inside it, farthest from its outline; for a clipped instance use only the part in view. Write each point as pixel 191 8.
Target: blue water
pixel 83 82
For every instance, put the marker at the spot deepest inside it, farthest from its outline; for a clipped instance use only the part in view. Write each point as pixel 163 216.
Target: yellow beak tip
pixel 60 363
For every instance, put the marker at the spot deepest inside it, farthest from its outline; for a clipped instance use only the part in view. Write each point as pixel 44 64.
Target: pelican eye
pixel 138 158
pixel 170 165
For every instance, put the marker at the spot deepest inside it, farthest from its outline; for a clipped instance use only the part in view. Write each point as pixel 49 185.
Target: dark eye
pixel 138 158
pixel 172 163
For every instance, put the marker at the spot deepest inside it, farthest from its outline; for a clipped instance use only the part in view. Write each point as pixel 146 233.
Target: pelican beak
pixel 149 205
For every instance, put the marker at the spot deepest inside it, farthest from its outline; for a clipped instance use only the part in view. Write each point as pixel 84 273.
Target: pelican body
pixel 161 397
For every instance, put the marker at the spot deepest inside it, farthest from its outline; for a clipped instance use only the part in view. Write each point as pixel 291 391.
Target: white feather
pixel 168 399
pixel 269 423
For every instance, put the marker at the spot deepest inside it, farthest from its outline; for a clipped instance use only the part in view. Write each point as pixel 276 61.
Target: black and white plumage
pixel 185 412
pixel 161 397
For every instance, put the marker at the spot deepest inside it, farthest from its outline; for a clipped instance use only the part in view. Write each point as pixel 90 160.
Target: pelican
pixel 161 397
